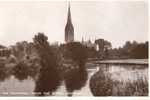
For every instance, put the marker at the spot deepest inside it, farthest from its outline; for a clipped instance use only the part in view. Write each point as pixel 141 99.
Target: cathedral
pixel 69 29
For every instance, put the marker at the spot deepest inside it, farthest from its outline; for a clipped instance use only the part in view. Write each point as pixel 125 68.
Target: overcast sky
pixel 114 21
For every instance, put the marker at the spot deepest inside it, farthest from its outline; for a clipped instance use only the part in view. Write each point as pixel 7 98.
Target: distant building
pixel 100 44
pixel 5 52
pixel 102 47
pixel 88 44
pixel 69 29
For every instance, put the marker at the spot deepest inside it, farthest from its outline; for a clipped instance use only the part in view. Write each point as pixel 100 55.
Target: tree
pixel 103 47
pixel 127 45
pixel 100 43
pixel 2 47
pixel 21 71
pixel 140 51
pixel 133 50
pixel 19 50
pixel 48 79
pixel 76 77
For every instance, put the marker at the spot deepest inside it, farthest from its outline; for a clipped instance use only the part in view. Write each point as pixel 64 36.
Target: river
pixel 14 87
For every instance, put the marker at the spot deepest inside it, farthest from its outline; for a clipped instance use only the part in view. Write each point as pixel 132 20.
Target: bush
pixel 101 84
pixel 21 71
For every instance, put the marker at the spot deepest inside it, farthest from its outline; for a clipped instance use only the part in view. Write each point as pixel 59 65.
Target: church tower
pixel 69 29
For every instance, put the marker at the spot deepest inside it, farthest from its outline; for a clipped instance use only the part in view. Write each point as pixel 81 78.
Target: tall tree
pixel 48 79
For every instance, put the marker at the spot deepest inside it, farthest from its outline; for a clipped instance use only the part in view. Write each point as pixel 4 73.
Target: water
pixel 14 87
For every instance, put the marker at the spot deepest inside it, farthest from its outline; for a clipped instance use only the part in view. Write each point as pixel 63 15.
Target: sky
pixel 114 21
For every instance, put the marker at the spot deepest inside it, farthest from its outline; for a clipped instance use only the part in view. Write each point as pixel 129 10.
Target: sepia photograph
pixel 74 48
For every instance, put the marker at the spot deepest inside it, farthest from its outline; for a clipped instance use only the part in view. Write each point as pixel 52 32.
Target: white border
pixel 83 97
pixel 74 98
pixel 78 0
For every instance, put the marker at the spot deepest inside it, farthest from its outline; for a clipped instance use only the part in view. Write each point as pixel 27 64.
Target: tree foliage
pixel 130 49
pixel 77 52
pixel 101 84
pixel 48 79
pixel 21 71
pixel 140 51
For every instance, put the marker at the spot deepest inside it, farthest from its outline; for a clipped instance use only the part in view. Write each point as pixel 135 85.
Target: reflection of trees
pixel 38 60
pixel 25 60
pixel 75 79
pixel 76 76
pixel 48 78
pixel 3 71
pixel 25 69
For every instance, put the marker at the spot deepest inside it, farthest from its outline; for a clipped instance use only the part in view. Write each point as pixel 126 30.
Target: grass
pixel 101 84
pixel 135 88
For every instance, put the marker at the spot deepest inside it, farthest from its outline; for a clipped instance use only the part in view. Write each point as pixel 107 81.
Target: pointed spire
pixel 69 5
pixel 69 29
pixel 69 13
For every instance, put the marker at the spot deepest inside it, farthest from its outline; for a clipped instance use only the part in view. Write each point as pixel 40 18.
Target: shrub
pixel 21 71
pixel 101 84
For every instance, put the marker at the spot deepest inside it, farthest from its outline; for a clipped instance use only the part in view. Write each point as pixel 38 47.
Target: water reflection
pixel 4 72
pixel 12 84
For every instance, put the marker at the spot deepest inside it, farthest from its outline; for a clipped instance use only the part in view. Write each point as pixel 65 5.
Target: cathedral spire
pixel 69 29
pixel 69 13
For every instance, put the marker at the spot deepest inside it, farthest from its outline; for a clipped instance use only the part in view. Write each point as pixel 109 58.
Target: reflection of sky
pixel 113 21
